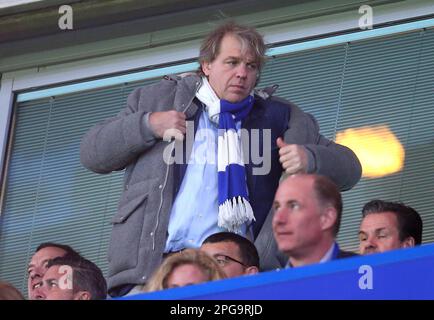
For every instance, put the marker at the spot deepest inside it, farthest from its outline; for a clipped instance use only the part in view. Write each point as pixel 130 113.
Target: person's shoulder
pixel 170 82
pixel 267 98
pixel 187 79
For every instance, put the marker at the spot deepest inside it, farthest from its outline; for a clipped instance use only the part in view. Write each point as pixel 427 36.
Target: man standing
pixel 169 206
pixel 387 226
pixel 306 221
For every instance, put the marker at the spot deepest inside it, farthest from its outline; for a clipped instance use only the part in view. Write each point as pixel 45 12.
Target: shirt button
pixel 160 186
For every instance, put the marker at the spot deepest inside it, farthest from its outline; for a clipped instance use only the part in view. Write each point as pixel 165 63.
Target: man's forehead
pixel 223 246
pixel 53 273
pixel 380 220
pixel 294 184
pixel 232 46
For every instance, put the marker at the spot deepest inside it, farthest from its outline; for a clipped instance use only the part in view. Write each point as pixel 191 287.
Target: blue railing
pixel 399 274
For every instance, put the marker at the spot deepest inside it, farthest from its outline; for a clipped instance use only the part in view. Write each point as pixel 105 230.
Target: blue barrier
pixel 400 274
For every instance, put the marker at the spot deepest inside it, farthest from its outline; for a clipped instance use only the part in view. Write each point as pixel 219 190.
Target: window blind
pixel 51 197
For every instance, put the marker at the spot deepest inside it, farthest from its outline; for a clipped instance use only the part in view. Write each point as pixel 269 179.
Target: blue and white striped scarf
pixel 234 206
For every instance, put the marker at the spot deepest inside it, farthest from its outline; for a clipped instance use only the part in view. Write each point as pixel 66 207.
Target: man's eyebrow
pixel 51 280
pixel 218 254
pixel 233 57
pixel 291 202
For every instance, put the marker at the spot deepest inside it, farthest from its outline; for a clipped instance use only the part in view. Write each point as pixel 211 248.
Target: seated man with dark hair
pixel 387 226
pixel 235 254
pixel 38 263
pixel 72 278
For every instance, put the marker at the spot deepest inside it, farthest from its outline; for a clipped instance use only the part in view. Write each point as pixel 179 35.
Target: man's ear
pixel 408 242
pixel 328 218
pixel 251 270
pixel 82 295
pixel 206 68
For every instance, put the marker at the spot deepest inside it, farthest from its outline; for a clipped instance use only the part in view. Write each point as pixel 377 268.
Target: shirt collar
pixel 329 255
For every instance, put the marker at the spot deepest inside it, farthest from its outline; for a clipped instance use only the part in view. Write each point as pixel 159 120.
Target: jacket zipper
pixel 167 175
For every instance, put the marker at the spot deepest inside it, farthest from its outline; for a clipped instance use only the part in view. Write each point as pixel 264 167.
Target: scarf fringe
pixel 233 213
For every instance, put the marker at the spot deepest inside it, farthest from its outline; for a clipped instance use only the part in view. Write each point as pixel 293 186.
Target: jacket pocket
pixel 129 208
pixel 127 227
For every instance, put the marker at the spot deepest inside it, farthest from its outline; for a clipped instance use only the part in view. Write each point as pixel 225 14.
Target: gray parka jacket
pixel 126 141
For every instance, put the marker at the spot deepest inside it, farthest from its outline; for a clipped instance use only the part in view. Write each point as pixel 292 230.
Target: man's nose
pixel 280 216
pixel 39 294
pixel 242 70
pixel 369 245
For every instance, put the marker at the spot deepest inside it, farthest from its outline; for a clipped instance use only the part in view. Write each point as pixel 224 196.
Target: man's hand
pixel 293 157
pixel 168 124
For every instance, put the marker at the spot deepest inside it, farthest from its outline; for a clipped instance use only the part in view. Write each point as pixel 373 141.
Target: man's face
pixel 38 267
pixel 233 73
pixel 57 284
pixel 54 285
pixel 226 254
pixel 297 219
pixel 184 275
pixel 379 232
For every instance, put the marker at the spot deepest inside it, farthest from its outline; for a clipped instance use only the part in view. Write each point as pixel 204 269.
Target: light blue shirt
pixel 195 211
pixel 330 255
